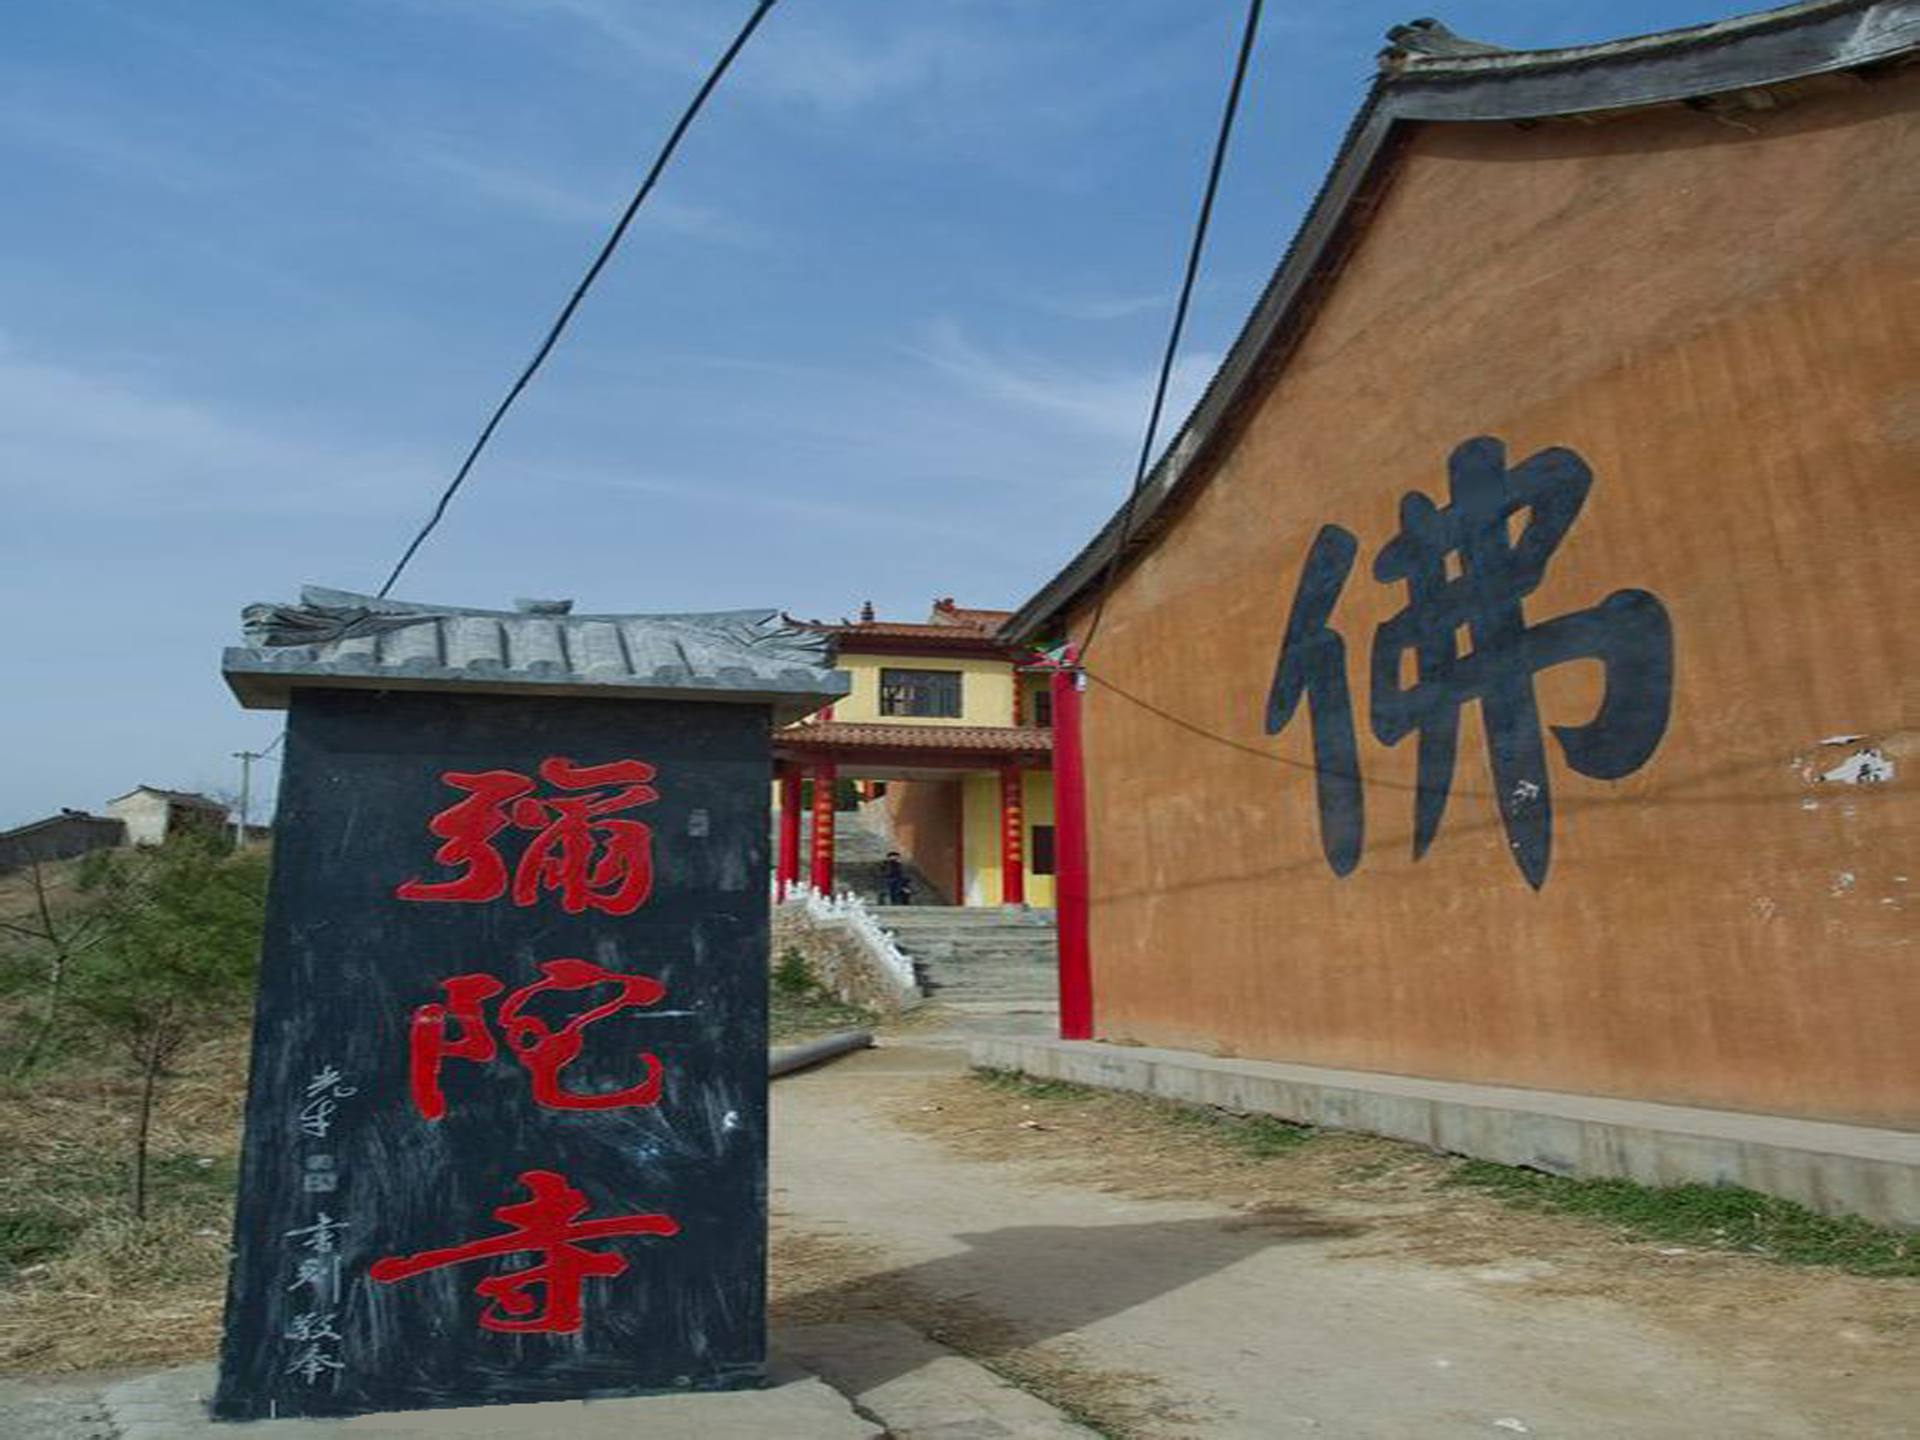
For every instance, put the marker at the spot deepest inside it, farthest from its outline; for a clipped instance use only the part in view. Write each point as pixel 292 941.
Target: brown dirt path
pixel 1168 1287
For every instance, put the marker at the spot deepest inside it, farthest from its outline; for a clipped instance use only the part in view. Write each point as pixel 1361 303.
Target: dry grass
pixel 1156 1150
pixel 61 879
pixel 83 1285
pixel 795 1017
pixel 89 1287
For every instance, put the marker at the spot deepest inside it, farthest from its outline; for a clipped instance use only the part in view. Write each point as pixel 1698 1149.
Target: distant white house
pixel 152 814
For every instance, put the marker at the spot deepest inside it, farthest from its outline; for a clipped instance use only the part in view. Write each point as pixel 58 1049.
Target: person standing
pixel 899 885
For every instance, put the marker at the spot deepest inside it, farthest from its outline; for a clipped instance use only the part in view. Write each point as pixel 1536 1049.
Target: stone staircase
pixel 984 960
pixel 859 858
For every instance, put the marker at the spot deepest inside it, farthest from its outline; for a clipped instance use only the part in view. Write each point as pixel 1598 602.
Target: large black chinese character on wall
pixel 1467 573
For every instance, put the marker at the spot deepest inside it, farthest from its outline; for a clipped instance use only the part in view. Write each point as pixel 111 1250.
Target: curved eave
pixel 268 684
pixel 1750 52
pixel 896 646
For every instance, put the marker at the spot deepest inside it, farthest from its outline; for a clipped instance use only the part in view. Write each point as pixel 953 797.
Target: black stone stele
pixel 507 1116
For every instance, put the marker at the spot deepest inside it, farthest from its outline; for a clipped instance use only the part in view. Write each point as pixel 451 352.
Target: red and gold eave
pixel 877 744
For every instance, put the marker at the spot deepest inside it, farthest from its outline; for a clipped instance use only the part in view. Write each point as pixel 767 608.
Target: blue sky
pixel 886 331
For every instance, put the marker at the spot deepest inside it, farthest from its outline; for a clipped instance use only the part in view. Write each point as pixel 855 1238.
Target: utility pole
pixel 246 759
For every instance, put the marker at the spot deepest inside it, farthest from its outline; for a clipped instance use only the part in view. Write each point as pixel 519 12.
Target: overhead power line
pixel 1193 727
pixel 1141 468
pixel 600 260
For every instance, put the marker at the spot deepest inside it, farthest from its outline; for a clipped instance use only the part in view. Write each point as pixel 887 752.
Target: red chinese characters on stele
pixel 578 849
pixel 458 1030
pixel 544 1296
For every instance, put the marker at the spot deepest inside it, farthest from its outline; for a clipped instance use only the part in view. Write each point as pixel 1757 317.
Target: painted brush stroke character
pixel 545 1295
pixel 457 1029
pixel 580 848
pixel 1468 572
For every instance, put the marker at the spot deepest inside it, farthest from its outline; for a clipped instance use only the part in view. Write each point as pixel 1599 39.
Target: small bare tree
pixel 44 940
pixel 174 960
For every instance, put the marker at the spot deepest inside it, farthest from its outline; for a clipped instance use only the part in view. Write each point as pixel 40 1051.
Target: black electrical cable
pixel 1193 727
pixel 580 291
pixel 1141 470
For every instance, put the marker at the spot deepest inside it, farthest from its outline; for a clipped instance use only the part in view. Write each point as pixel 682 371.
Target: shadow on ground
pixel 1017 1287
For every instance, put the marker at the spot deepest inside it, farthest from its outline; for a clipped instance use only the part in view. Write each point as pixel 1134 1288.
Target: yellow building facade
pixel 986 689
pixel 948 740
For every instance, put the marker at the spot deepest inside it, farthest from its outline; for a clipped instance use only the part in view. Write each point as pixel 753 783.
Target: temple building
pixel 1506 676
pixel 948 736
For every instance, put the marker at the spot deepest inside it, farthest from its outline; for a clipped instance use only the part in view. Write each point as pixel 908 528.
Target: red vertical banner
pixel 820 873
pixel 1013 862
pixel 1070 853
pixel 787 864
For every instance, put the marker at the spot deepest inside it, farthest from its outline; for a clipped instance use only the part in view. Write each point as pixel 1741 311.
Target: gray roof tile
pixel 337 639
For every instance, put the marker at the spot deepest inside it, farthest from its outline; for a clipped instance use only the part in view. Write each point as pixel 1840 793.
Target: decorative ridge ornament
pixel 276 626
pixel 1427 36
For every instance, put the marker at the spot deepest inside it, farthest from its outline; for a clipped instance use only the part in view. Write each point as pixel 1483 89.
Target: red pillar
pixel 1070 854
pixel 786 871
pixel 1013 863
pixel 820 876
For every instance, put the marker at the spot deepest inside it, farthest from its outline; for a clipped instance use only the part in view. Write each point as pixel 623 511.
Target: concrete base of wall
pixel 1835 1169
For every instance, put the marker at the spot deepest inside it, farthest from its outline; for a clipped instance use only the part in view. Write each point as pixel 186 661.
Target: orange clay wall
pixel 926 829
pixel 1723 322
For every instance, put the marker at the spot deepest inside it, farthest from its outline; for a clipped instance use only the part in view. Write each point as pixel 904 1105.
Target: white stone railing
pixel 847 914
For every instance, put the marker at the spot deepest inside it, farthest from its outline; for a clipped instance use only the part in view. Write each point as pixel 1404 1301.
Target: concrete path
pixel 55 1407
pixel 921 1390
pixel 870 1380
pixel 171 1405
pixel 1250 1330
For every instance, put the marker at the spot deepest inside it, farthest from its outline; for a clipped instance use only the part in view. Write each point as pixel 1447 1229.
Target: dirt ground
pixel 950 1166
pixel 1816 1351
pixel 1391 1199
pixel 1827 1332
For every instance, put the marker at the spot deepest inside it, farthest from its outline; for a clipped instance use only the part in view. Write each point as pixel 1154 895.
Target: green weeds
pixel 1708 1216
pixel 801 1007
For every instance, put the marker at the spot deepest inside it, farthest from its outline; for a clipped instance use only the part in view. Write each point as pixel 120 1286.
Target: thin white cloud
pixel 540 195
pixel 1106 401
pixel 664 38
pixel 77 131
pixel 802 56
pixel 837 74
pixel 77 439
pixel 1101 307
pixel 742 504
